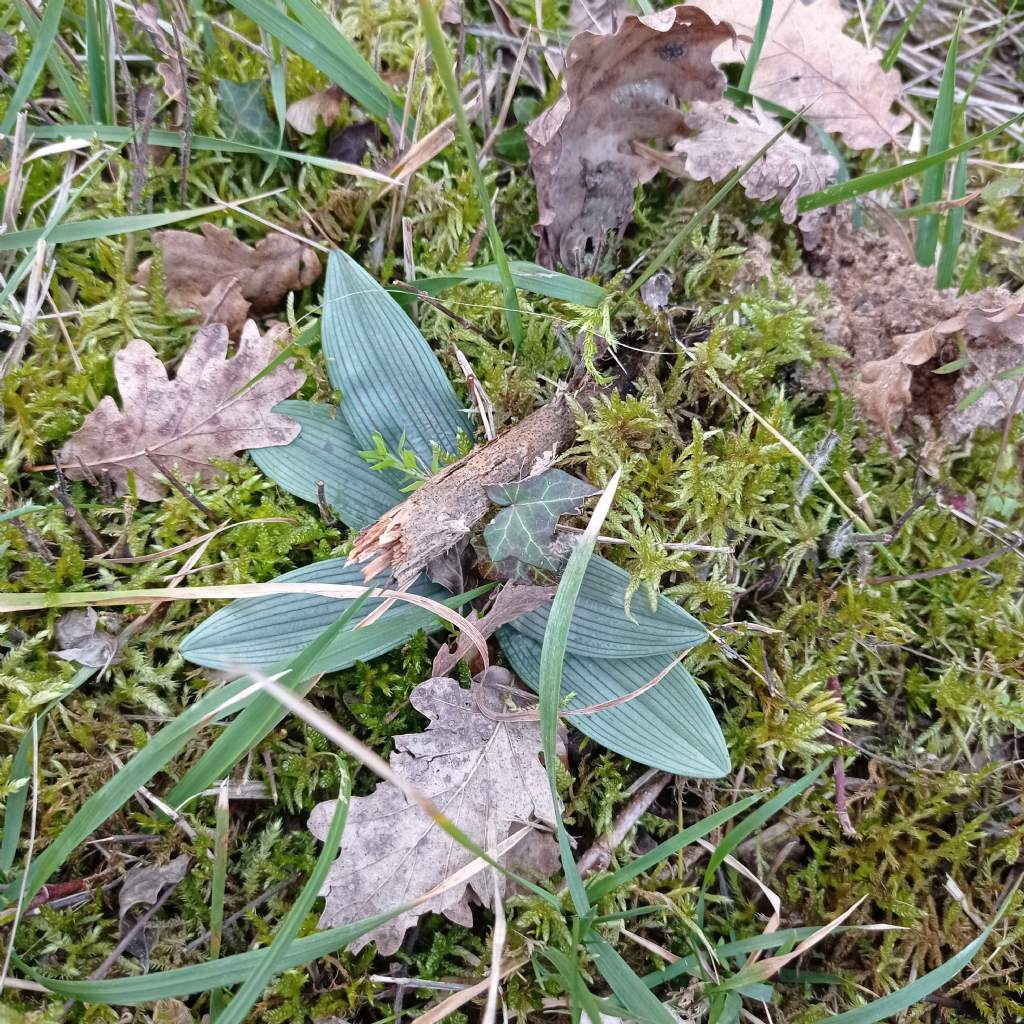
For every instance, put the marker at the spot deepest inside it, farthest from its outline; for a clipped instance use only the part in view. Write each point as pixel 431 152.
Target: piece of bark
pixel 445 508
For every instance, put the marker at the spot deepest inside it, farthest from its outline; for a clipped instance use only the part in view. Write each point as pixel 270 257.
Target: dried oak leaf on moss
pixel 807 60
pixel 224 280
pixel 726 137
pixel 619 89
pixel 897 330
pixel 481 773
pixel 183 424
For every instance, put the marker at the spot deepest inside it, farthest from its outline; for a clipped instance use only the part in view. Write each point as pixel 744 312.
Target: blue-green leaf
pixel 390 381
pixel 601 629
pixel 670 727
pixel 326 450
pixel 258 632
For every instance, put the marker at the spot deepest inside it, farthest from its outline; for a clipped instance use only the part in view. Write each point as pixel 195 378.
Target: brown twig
pixel 599 856
pixel 328 517
pixel 840 768
pixel 60 491
pixel 930 574
pixel 184 491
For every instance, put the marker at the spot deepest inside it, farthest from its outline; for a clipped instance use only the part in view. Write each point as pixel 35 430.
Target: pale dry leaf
pixel 477 771
pixel 147 17
pixel 323 105
pixel 619 89
pixel 185 423
pixel 142 887
pixel 897 330
pixel 726 137
pixel 223 279
pixel 807 60
pixel 82 639
pixel 600 16
pixel 512 601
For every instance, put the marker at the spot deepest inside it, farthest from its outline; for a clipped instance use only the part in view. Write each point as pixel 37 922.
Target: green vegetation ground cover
pixel 932 701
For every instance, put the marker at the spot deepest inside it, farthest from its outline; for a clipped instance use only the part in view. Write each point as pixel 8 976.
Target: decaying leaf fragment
pixel 82 639
pixel 184 423
pixel 619 89
pixel 994 342
pixel 224 279
pixel 897 330
pixel 726 137
pixel 807 60
pixel 170 69
pixel 143 885
pixel 323 105
pixel 512 601
pixel 484 774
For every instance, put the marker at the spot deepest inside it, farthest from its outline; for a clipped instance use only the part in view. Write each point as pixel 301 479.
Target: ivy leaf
pixel 525 529
pixel 243 113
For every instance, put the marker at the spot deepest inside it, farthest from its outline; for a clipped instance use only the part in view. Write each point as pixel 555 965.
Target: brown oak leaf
pixel 184 423
pixel 224 279
pixel 725 138
pixel 619 89
pixel 484 774
pixel 807 60
pixel 323 105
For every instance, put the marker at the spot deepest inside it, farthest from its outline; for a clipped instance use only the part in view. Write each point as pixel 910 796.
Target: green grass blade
pixel 528 277
pixel 273 961
pixel 42 46
pixel 100 227
pixel 629 989
pixel 231 970
pixel 115 134
pixel 607 884
pixel 318 40
pixel 439 48
pixel 556 636
pixel 952 231
pixel 760 31
pixel 935 176
pixel 752 822
pixel 898 1001
pixel 14 809
pixel 262 714
pixel 218 883
pixel 97 60
pixel 882 179
pixel 893 52
pixel 55 62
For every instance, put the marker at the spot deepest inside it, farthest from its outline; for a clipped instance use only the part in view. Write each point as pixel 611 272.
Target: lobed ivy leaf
pixel 525 529
pixel 243 113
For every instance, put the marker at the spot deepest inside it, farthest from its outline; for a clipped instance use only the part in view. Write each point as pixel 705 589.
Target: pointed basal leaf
pixel 670 726
pixel 258 632
pixel 326 450
pixel 601 629
pixel 390 381
pixel 524 531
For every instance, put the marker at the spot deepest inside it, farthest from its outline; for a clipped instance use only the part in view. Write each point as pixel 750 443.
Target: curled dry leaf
pixel 184 423
pixel 322 105
pixel 483 774
pixel 143 885
pixel 83 639
pixel 725 138
pixel 147 17
pixel 511 601
pixel 600 16
pixel 619 89
pixel 224 279
pixel 807 60
pixel 897 330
